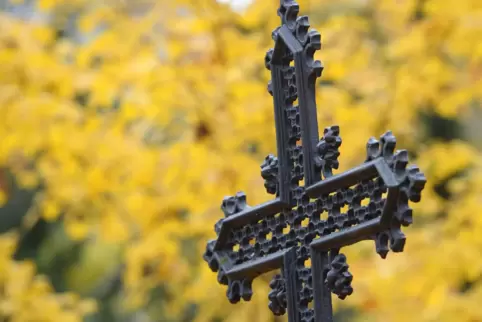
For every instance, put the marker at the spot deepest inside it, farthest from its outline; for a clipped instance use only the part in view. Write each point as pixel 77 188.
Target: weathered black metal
pixel 287 231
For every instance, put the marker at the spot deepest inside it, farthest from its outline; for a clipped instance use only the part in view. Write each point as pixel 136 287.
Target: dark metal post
pixel 282 136
pixel 321 293
pixel 290 275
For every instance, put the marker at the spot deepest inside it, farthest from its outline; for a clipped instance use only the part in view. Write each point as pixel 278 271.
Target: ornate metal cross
pixel 314 221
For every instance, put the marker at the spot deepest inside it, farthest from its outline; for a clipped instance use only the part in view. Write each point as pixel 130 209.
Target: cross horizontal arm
pixel 247 216
pixel 258 266
pixel 255 213
pixel 348 236
pixel 351 177
pixel 335 240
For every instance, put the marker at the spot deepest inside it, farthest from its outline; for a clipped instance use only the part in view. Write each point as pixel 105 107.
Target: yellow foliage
pixel 139 121
pixel 29 297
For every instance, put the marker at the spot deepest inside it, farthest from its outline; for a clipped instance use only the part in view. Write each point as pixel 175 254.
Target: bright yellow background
pixel 123 123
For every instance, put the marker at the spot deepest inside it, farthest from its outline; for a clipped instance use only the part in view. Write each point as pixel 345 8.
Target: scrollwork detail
pixel 338 279
pixel 269 172
pixel 277 296
pixel 328 151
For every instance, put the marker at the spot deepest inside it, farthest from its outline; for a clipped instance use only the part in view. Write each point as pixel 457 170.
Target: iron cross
pixel 308 222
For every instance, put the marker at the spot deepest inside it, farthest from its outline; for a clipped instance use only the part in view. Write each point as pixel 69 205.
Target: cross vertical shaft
pixel 321 293
pixel 290 275
pixel 282 136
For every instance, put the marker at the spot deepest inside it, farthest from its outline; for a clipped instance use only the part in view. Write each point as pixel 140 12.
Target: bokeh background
pixel 123 123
